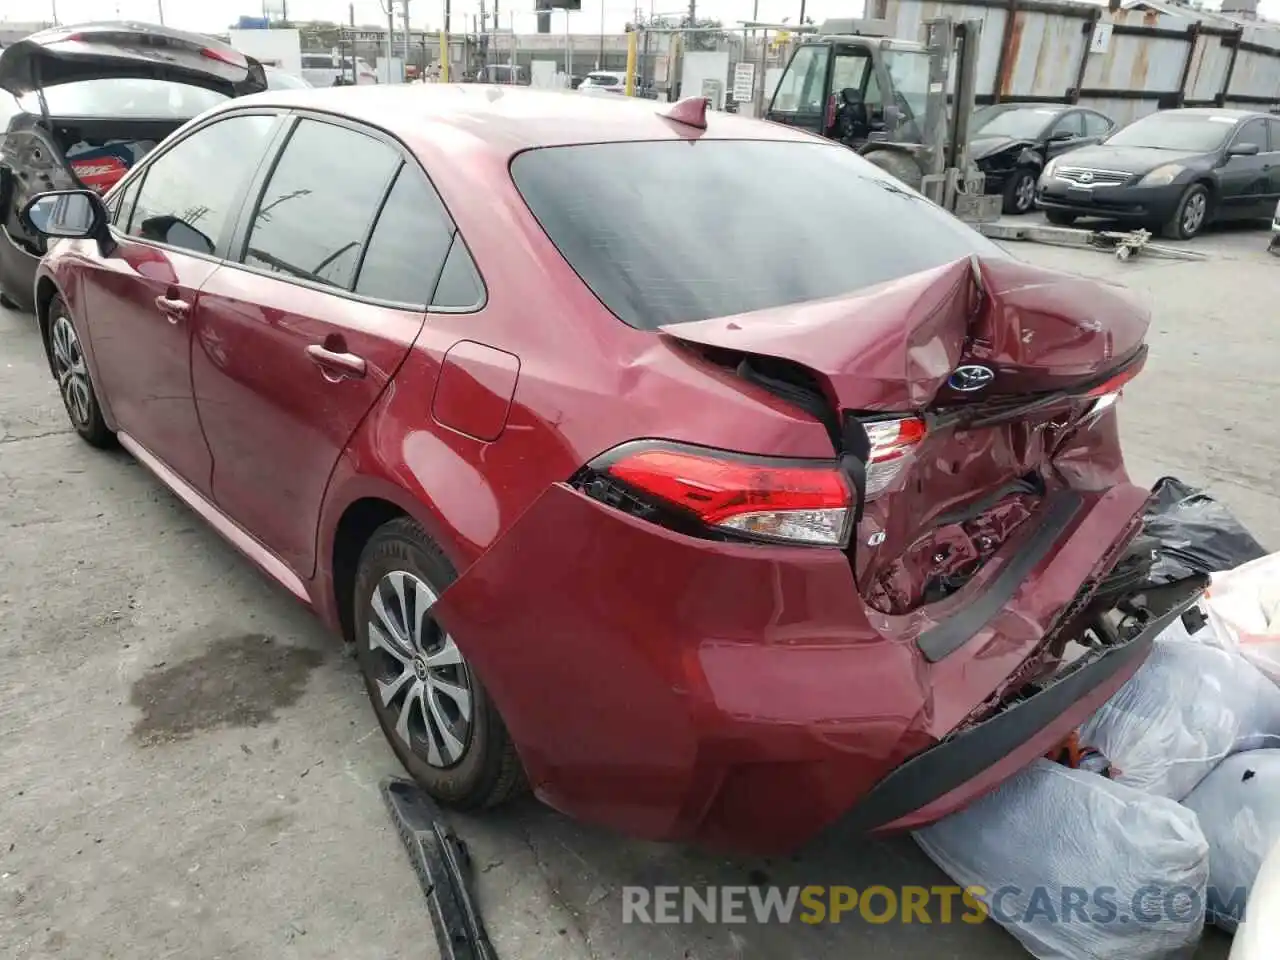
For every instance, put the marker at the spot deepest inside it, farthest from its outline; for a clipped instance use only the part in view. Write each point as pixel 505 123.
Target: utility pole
pixel 55 12
pixel 448 17
pixel 160 10
pixel 693 13
pixel 391 35
pixel 802 13
pixel 404 66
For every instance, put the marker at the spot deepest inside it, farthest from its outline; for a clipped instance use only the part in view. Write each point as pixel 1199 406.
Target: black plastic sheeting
pixel 1194 533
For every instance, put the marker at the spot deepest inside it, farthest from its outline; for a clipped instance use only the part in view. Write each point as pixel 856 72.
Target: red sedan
pixel 684 467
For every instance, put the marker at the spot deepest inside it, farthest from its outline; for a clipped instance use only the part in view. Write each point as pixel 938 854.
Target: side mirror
pixel 74 214
pixel 1242 150
pixel 1062 135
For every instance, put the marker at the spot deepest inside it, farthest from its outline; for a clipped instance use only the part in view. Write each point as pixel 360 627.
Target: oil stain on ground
pixel 239 681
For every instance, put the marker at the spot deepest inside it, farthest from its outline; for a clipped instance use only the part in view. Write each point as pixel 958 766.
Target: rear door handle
pixel 336 366
pixel 173 309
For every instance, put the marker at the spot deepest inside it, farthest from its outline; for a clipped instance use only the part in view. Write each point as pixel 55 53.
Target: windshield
pixel 1197 133
pixel 909 70
pixel 1018 123
pixel 126 98
pixel 720 242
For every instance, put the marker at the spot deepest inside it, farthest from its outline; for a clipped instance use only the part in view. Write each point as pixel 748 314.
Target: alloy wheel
pixel 1193 213
pixel 422 679
pixel 1026 193
pixel 71 373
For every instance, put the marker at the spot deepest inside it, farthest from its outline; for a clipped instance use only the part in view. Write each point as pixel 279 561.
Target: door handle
pixel 334 365
pixel 173 309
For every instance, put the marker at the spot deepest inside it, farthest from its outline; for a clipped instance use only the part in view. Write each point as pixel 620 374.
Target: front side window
pixel 1096 125
pixel 319 203
pixel 189 193
pixel 802 88
pixel 1070 125
pixel 909 70
pixel 719 244
pixel 1255 131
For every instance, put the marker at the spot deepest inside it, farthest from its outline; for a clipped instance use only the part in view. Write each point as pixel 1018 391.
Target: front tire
pixel 1190 216
pixel 74 381
pixel 433 709
pixel 1020 191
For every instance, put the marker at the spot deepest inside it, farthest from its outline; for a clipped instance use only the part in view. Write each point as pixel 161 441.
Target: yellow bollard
pixel 444 57
pixel 632 48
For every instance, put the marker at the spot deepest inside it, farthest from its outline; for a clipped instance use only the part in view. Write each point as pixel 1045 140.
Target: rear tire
pixel 433 709
pixel 901 166
pixel 1020 191
pixel 1060 218
pixel 1190 216
pixel 71 373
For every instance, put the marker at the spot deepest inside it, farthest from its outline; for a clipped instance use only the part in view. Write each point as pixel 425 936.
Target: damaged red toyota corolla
pixel 695 473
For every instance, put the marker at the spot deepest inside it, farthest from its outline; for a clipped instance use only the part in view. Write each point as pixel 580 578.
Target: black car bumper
pixel 1132 203
pixel 964 755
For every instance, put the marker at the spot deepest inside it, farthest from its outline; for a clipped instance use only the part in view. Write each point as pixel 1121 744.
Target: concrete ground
pixel 189 766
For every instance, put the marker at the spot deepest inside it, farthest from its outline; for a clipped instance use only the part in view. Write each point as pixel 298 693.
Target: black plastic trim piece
pixel 958 759
pixel 438 858
pixel 954 632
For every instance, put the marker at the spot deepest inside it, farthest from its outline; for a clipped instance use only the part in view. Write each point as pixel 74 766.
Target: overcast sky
pixel 217 15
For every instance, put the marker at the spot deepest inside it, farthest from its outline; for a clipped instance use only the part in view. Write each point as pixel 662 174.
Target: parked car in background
pixel 113 91
pixel 613 81
pixel 503 73
pixel 699 559
pixel 321 70
pixel 278 79
pixel 1275 230
pixel 1174 172
pixel 1011 143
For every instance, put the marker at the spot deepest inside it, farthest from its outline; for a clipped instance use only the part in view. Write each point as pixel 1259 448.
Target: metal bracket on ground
pixel 441 861
pixel 1125 245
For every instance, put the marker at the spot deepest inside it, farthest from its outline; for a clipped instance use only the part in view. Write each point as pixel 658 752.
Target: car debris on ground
pixel 1179 800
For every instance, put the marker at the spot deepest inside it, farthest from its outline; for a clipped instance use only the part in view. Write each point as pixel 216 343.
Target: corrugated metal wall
pixel 1126 63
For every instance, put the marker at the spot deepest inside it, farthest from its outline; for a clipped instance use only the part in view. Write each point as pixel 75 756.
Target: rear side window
pixel 1273 128
pixel 409 243
pixel 319 204
pixel 189 193
pixel 721 241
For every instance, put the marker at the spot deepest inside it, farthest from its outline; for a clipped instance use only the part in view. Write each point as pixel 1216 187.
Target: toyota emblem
pixel 1086 177
pixel 972 377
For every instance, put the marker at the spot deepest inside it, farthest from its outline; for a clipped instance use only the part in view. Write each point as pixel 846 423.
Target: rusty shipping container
pixel 1128 61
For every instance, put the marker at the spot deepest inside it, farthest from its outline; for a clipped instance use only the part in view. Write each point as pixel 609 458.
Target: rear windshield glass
pixel 126 98
pixel 670 231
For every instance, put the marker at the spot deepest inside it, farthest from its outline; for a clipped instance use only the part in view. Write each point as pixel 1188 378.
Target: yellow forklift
pixel 888 98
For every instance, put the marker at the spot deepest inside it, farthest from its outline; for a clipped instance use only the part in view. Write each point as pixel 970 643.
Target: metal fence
pixel 1125 62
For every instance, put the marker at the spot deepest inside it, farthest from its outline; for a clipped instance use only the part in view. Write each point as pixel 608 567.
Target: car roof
pixel 1213 112
pixel 507 119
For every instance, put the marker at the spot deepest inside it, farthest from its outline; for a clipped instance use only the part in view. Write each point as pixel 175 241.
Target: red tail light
pixel 775 499
pixel 893 447
pixel 231 57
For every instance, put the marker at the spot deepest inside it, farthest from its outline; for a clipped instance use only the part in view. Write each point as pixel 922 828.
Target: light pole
pixel 160 10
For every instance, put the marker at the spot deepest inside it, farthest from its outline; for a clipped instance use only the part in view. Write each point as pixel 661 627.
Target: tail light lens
pixel 780 500
pixel 893 447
